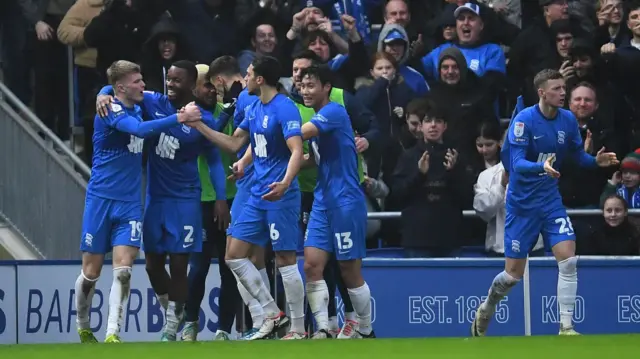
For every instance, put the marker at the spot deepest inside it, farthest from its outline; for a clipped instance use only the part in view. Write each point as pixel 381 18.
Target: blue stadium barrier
pixel 410 298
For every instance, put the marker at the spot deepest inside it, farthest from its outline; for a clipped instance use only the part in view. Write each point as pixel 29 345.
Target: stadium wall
pixel 411 298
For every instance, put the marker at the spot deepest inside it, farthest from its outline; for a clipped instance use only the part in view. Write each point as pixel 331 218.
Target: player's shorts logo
pixel 515 246
pixel 88 239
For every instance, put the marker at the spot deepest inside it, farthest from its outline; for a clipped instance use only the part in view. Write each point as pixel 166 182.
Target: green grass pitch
pixel 538 347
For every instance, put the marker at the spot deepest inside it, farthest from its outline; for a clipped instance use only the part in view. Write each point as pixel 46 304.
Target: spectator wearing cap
pixel 466 100
pixel 626 182
pixel 486 60
pixel 535 49
pixel 431 184
pixel 164 47
pixel 394 41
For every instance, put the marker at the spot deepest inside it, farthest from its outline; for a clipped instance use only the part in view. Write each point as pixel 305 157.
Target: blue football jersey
pixel 335 153
pixel 242 104
pixel 117 156
pixel 269 126
pixel 532 139
pixel 173 155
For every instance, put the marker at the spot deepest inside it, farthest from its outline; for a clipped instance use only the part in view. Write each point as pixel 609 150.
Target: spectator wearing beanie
pixel 625 182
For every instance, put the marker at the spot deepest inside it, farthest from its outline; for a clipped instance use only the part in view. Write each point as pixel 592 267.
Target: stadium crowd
pixel 442 73
pixel 437 76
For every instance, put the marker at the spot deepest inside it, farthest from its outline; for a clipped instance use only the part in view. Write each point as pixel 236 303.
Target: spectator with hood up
pixel 164 47
pixel 467 101
pixel 395 41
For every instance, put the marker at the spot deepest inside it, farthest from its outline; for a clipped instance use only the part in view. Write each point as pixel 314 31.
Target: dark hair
pixel 625 205
pixel 313 36
pixel 418 107
pixel 308 55
pixel 631 6
pixel 490 130
pixel 322 73
pixel 268 68
pixel 546 75
pixel 433 110
pixel 223 65
pixel 190 67
pixel 587 85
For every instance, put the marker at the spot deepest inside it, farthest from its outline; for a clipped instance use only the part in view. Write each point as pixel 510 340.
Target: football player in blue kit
pixel 272 125
pixel 172 221
pixel 540 138
pixel 224 74
pixel 112 214
pixel 338 220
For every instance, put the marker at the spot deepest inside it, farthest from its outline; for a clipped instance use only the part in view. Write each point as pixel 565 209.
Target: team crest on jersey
pixel 265 121
pixel 474 65
pixel 186 129
pixel 518 129
pixel 561 137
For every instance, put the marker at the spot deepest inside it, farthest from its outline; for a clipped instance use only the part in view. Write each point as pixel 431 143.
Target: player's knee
pixel 286 258
pixel 313 270
pixel 123 275
pixel 568 266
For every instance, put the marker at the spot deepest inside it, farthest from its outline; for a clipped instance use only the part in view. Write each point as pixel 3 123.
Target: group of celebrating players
pixel 269 131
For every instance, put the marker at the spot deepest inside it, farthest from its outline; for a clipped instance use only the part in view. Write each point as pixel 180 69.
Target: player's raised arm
pixel 119 119
pixel 231 144
pixel 105 98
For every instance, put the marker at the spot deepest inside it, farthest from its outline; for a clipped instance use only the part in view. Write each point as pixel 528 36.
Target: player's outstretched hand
pixel 277 191
pixel 450 159
pixel 423 163
pixel 237 171
pixel 606 159
pixel 221 214
pixel 548 167
pixel 102 105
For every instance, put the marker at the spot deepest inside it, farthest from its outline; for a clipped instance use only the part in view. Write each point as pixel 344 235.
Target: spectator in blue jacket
pixel 486 60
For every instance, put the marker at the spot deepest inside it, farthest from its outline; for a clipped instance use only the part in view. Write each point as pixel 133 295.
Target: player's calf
pixel 85 288
pixel 123 257
pixel 359 293
pixel 317 290
pixel 293 288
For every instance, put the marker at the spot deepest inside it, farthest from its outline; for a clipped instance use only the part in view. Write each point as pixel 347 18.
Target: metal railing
pixel 570 212
pixel 42 182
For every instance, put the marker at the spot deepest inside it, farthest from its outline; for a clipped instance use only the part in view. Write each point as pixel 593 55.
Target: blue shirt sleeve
pixel 119 119
pixel 519 137
pixel 327 119
pixel 149 97
pixel 238 114
pixel 290 120
pixel 495 59
pixel 576 146
pixel 216 171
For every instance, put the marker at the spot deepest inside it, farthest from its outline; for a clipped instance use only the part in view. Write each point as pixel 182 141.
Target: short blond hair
pixel 121 68
pixel 202 73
